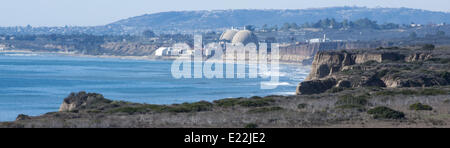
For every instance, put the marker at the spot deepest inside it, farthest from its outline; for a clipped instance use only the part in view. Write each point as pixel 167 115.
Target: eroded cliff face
pixel 392 67
pixel 301 52
pixel 129 49
pixel 327 63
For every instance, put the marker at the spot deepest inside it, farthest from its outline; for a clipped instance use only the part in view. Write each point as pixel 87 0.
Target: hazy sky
pixel 100 12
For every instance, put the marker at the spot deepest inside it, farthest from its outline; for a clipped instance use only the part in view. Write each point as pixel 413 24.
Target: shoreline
pixel 146 58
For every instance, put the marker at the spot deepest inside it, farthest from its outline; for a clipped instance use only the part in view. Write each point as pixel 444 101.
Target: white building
pixel 161 51
pixel 320 40
pixel 416 25
pixel 2 47
pixel 173 51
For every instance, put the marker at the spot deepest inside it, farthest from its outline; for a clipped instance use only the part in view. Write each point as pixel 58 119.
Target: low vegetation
pixel 265 109
pixel 420 106
pixel 191 107
pixel 350 99
pixel 383 112
pixel 352 102
pixel 302 106
pixel 359 108
pixel 176 108
pixel 447 101
pixel 251 102
pixel 251 125
pixel 423 92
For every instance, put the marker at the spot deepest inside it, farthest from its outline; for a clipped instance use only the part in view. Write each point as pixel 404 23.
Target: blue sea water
pixel 34 84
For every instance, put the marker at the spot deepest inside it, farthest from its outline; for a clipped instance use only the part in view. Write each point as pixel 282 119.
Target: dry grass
pixel 320 110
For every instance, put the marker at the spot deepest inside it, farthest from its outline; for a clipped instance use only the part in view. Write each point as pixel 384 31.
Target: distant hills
pixel 193 20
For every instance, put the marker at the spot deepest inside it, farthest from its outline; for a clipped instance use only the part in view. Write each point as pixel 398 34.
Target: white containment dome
pixel 228 35
pixel 245 37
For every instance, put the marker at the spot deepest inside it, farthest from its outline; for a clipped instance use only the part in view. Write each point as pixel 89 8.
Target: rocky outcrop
pixel 315 86
pixel 327 63
pixel 22 117
pixel 392 67
pixel 80 100
pixel 419 57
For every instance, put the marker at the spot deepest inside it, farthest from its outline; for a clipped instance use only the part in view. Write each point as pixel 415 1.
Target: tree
pixel 250 27
pixel 413 35
pixel 294 26
pixel 148 33
pixel 345 24
pixel 306 25
pixel 389 26
pixel 334 24
pixel 440 34
pixel 275 28
pixel 428 47
pixel 265 27
pixel 366 24
pixel 286 26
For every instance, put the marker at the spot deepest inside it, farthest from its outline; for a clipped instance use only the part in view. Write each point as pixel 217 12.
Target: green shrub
pixel 129 110
pixel 251 125
pixel 251 102
pixel 256 102
pixel 265 109
pixel 256 97
pixel 382 112
pixel 191 107
pixel 140 109
pixel 445 75
pixel 428 47
pixel 420 106
pixel 302 106
pixel 185 107
pixel 227 102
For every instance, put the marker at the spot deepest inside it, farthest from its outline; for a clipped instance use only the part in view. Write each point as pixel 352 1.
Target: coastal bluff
pixel 81 100
pixel 382 67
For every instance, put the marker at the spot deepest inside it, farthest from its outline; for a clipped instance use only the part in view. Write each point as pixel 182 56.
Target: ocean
pixel 37 83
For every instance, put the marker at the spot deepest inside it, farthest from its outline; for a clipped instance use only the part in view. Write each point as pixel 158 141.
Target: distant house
pixel 320 40
pixel 2 47
pixel 416 25
pixel 172 51
pixel 162 51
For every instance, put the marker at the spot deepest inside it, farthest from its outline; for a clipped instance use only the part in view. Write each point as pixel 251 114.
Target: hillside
pixel 189 20
pixel 217 20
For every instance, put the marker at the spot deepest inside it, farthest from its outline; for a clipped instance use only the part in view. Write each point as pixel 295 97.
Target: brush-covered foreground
pixel 353 107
